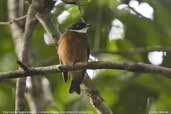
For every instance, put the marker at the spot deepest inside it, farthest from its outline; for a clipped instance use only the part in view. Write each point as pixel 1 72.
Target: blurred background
pixel 122 30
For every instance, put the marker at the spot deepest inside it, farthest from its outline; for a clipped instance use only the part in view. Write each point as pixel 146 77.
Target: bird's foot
pixel 73 64
pixel 61 68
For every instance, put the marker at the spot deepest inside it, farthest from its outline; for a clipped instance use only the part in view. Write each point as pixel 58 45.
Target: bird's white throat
pixel 84 30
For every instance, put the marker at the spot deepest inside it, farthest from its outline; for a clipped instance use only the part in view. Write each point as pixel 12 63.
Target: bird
pixel 73 47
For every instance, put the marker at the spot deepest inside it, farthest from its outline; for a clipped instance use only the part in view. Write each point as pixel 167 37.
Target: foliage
pixel 124 92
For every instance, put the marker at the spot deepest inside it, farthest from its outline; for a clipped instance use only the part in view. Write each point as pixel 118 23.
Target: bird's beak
pixel 88 25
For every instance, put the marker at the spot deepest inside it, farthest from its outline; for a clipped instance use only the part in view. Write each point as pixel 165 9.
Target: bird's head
pixel 79 27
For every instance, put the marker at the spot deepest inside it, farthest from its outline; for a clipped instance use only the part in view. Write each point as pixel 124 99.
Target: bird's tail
pixel 77 78
pixel 75 86
pixel 65 76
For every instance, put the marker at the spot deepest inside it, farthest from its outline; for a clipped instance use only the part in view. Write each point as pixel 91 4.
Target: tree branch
pixel 17 30
pixel 97 100
pixel 35 95
pixel 22 40
pixel 95 97
pixel 129 66
pixel 24 57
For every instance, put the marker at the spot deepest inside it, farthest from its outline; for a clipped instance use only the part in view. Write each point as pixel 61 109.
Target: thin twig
pixel 81 13
pixel 4 23
pixel 23 66
pixel 14 20
pixel 137 13
pixel 71 1
pixel 51 29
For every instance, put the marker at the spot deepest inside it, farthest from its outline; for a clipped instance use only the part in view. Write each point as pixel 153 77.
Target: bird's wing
pixel 65 73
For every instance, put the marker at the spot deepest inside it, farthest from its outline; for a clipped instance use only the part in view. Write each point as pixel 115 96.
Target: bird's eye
pixel 77 26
